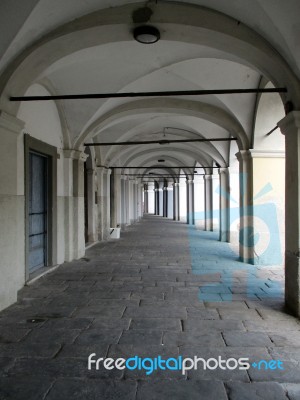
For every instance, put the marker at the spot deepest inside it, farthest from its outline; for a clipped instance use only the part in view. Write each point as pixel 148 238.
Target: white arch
pixel 183 23
pixel 167 106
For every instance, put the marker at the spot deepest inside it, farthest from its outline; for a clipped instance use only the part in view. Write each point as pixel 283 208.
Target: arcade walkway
pixel 162 289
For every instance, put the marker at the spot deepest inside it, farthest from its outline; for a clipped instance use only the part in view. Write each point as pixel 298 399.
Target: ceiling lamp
pixel 161 160
pixel 146 34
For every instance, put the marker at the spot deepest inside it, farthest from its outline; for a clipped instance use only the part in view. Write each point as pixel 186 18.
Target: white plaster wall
pixel 269 173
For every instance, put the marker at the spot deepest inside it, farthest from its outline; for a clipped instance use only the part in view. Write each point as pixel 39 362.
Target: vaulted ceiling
pixel 72 47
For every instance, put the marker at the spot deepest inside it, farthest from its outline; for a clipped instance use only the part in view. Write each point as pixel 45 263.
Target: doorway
pixel 41 206
pixel 38 211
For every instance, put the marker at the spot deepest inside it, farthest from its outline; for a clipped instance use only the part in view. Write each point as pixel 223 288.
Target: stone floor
pixel 163 289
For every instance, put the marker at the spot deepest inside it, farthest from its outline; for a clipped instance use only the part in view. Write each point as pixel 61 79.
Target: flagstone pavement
pixel 163 289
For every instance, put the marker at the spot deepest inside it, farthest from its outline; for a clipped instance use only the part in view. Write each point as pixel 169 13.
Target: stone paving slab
pixel 293 390
pixel 60 367
pixel 137 337
pixel 80 389
pixel 99 336
pixel 178 390
pixel 246 339
pixel 255 391
pixel 161 324
pixel 156 312
pixel 193 338
pixel 31 388
pixel 212 325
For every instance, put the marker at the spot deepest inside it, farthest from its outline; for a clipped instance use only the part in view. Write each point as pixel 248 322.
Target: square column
pixel 115 199
pixel 123 202
pixel 224 205
pixel 246 232
pixel 165 201
pixel 103 176
pixel 74 203
pixel 139 189
pixel 190 202
pixel 91 206
pixel 208 202
pixel 290 127
pixel 176 215
pixel 12 207
pixel 146 200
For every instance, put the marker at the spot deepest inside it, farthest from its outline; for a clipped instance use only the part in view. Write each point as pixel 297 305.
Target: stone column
pixel 224 205
pixel 156 195
pixel 135 200
pixel 127 202
pixel 103 176
pixel 68 205
pixel 176 204
pixel 190 202
pixel 79 159
pixel 290 127
pixel 165 201
pixel 139 191
pixel 123 202
pixel 91 206
pixel 246 231
pixel 115 199
pixel 131 201
pixel 208 202
pixel 12 206
pixel 146 199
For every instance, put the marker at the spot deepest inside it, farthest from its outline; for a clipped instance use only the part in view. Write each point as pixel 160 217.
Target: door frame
pixel 37 146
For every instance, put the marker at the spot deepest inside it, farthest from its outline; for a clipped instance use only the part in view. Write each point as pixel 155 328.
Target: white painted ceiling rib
pixel 102 56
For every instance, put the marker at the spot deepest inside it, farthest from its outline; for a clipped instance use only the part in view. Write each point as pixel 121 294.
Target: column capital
pixel 189 181
pixel 223 170
pixel 103 170
pixel 244 155
pixel 289 122
pixel 207 177
pixel 75 154
pixel 11 123
pixel 176 183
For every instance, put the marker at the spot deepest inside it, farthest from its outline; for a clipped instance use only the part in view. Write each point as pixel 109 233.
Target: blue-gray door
pixel 37 211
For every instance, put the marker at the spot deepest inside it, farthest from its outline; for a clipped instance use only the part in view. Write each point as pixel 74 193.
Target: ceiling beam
pixel 161 142
pixel 146 94
pixel 156 167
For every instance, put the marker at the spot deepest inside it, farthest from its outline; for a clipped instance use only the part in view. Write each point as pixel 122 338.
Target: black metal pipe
pixel 146 94
pixel 156 167
pixel 161 142
pixel 272 130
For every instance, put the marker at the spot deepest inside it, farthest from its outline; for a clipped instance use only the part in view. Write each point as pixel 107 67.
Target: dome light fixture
pixel 146 34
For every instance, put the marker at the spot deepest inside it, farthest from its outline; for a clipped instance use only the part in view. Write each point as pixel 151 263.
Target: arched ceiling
pixel 97 53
